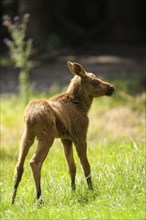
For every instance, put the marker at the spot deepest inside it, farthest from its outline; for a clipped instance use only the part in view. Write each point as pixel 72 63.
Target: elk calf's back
pixel 64 116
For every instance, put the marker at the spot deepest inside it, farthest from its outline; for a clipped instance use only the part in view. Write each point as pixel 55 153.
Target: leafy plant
pixel 20 50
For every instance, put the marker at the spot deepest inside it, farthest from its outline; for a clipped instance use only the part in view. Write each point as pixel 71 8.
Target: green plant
pixel 20 50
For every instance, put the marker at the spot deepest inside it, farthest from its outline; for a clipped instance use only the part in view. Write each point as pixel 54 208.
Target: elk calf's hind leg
pixel 26 142
pixel 37 161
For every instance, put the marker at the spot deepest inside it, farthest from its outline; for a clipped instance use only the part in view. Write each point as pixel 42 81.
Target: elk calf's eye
pixel 95 83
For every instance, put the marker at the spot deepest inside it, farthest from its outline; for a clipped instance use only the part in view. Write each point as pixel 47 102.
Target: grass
pixel 116 155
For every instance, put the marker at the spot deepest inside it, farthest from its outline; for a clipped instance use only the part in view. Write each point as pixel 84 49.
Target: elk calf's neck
pixel 63 116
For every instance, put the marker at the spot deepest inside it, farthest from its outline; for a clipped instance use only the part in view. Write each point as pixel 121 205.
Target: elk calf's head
pixel 91 85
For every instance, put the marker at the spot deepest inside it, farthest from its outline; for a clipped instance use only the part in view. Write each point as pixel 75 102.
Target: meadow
pixel 116 151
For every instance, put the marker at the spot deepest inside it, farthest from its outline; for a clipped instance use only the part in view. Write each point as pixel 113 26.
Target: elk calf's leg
pixel 68 152
pixel 26 142
pixel 82 153
pixel 37 161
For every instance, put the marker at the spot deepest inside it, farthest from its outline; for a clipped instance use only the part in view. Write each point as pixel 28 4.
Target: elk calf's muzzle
pixel 110 90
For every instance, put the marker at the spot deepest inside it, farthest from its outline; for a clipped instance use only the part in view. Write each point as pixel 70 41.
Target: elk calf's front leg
pixel 87 171
pixel 82 153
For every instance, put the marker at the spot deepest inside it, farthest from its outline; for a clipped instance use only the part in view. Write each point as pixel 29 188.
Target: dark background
pixel 79 23
pixel 74 29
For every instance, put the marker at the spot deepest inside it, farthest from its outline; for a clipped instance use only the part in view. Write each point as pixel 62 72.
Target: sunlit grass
pixel 116 151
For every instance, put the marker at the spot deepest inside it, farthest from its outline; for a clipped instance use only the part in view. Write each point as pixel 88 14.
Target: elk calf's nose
pixel 110 90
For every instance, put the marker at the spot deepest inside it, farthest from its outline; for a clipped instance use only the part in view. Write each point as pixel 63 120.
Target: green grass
pixel 116 152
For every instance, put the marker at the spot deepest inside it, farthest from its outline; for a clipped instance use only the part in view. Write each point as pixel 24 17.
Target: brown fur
pixel 63 116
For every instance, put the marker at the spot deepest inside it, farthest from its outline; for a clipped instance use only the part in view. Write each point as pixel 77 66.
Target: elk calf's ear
pixel 76 69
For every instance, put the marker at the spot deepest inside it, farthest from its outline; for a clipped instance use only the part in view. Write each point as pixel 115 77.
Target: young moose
pixel 64 116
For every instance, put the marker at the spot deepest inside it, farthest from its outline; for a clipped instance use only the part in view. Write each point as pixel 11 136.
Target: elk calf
pixel 63 116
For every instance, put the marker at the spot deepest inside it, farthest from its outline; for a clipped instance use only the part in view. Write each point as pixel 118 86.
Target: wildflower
pixel 6 23
pixel 30 40
pixel 7 41
pixel 20 50
pixel 6 17
pixel 16 18
pixel 26 17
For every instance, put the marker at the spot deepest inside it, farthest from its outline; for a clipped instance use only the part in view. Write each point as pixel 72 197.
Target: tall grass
pixel 116 153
